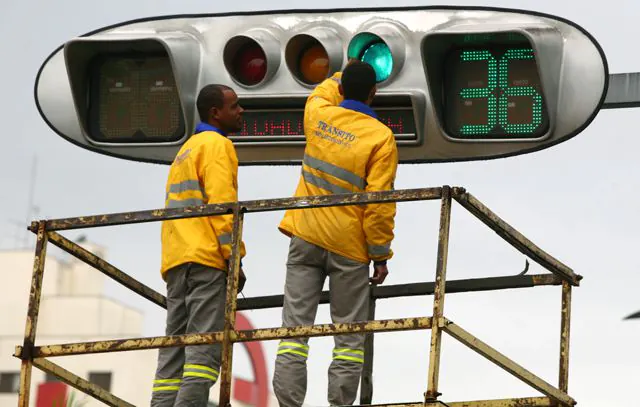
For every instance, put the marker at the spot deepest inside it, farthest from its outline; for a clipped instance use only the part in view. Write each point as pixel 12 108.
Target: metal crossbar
pixel 46 232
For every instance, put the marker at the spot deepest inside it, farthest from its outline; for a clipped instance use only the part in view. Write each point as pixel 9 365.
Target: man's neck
pixel 215 124
pixel 358 107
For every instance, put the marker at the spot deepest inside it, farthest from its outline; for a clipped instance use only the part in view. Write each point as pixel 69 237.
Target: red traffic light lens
pixel 250 64
pixel 314 64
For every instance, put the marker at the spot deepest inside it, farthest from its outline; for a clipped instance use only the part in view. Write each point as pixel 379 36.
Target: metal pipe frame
pixel 565 322
pixel 32 316
pixel 438 297
pixel 516 402
pixel 230 309
pixel 516 239
pixel 263 334
pixel 263 205
pixel 45 230
pixel 276 301
pixel 505 363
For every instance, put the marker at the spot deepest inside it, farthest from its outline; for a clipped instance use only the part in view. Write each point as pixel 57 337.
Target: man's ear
pixel 213 113
pixel 340 89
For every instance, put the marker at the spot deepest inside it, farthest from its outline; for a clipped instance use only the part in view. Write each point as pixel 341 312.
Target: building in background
pixel 74 309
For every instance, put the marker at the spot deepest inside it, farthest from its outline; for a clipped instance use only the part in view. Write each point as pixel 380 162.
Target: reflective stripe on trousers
pixel 293 348
pixel 166 385
pixel 202 371
pixel 351 355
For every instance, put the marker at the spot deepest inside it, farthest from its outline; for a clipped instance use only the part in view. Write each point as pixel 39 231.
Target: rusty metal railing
pixel 46 231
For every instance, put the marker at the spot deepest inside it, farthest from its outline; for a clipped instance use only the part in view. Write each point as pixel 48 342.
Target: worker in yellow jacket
pixel 196 251
pixel 347 150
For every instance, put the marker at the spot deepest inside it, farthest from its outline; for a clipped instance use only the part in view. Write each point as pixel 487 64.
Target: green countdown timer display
pixel 494 92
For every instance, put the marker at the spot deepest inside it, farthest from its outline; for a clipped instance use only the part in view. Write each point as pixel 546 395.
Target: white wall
pixel 72 309
pixel 87 316
pixel 16 269
pixel 81 279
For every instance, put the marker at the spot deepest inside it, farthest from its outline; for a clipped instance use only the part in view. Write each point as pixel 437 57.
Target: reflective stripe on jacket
pixel 348 150
pixel 205 171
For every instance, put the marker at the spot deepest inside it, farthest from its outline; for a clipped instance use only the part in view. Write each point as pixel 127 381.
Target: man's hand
pixel 380 272
pixel 241 280
pixel 241 277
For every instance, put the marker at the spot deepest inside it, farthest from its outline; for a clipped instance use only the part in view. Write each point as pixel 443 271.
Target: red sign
pixel 255 393
pixel 52 394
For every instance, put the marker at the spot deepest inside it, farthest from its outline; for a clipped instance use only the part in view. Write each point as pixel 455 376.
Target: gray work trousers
pixel 307 267
pixel 195 304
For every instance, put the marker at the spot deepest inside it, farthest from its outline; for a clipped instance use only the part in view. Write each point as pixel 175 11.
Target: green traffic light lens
pixel 371 49
pixel 379 57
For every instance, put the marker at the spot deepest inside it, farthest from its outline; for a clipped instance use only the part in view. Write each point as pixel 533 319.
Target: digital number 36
pixel 497 105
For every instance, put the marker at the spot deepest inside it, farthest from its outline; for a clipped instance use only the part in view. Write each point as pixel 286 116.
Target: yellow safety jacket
pixel 205 171
pixel 347 150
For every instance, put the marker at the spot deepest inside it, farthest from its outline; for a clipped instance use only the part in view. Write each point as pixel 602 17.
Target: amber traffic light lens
pixel 308 59
pixel 314 64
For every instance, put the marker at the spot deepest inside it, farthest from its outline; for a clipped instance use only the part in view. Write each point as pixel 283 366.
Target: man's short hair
pixel 210 96
pixel 357 81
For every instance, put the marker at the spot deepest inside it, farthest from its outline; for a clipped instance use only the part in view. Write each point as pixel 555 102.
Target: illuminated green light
pixel 371 49
pixel 379 57
pixel 510 91
pixel 482 93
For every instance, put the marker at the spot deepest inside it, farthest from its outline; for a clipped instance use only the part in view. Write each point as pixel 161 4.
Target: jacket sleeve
pixel 324 95
pixel 379 219
pixel 221 185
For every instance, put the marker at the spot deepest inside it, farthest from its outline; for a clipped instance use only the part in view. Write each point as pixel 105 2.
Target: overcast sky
pixel 578 200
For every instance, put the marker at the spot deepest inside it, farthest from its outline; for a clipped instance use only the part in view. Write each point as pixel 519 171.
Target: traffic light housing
pixel 252 57
pixel 454 83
